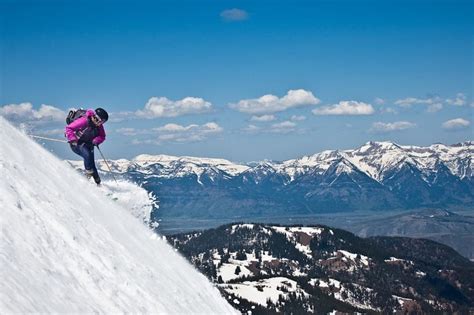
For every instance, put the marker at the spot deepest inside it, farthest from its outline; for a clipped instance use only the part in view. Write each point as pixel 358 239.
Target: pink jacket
pixel 81 125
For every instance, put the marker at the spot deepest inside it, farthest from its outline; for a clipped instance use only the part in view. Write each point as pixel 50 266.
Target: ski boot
pixel 89 173
pixel 93 174
pixel 96 177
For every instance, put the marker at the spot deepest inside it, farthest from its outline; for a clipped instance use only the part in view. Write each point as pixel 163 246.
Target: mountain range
pixel 378 176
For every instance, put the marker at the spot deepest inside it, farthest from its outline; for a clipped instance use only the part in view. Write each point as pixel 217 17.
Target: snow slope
pixel 134 198
pixel 65 247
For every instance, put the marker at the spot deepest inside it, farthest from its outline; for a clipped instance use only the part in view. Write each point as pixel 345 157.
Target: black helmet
pixel 102 114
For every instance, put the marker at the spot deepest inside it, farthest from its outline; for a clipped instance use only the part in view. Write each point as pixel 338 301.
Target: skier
pixel 85 132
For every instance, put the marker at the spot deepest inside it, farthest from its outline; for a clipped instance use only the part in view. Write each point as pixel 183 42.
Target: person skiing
pixel 85 132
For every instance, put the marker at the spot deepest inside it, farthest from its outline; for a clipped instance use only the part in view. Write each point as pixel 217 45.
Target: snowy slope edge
pixel 64 251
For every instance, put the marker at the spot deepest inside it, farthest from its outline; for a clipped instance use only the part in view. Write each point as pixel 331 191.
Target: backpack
pixel 74 114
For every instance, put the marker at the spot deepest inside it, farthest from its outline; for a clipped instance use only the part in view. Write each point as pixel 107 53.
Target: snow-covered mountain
pixel 168 166
pixel 65 247
pixel 378 176
pixel 318 269
pixel 376 159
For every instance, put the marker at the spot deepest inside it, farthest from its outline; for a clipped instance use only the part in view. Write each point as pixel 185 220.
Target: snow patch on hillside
pixel 297 234
pixel 260 291
pixel 235 227
pixel 227 271
pixel 361 299
pixel 363 259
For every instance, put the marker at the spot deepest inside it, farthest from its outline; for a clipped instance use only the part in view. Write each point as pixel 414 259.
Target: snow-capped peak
pixel 374 158
pixel 344 166
pixel 193 164
pixel 372 146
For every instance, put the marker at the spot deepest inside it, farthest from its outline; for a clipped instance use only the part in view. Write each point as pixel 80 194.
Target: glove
pixel 73 143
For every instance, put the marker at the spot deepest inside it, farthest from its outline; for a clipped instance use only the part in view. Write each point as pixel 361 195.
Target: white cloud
pixel 26 112
pixel 172 133
pixel 409 101
pixel 163 107
pixel 459 100
pixel 252 128
pixel 434 103
pixel 179 133
pixel 388 110
pixel 263 118
pixel 270 103
pixel 175 128
pixel 48 112
pixel 436 107
pixel 345 108
pixel 127 131
pixel 131 131
pixel 121 116
pixel 145 141
pixel 297 118
pixel 18 110
pixel 379 101
pixel 190 133
pixel 233 15
pixel 380 127
pixel 281 127
pixel 456 124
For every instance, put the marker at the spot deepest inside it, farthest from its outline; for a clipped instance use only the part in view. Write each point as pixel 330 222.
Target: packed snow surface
pixel 65 247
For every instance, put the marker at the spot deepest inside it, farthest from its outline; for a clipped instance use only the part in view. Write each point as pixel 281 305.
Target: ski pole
pixel 110 170
pixel 64 141
pixel 50 139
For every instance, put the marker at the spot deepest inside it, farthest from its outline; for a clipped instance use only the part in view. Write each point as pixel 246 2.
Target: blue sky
pixel 339 73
